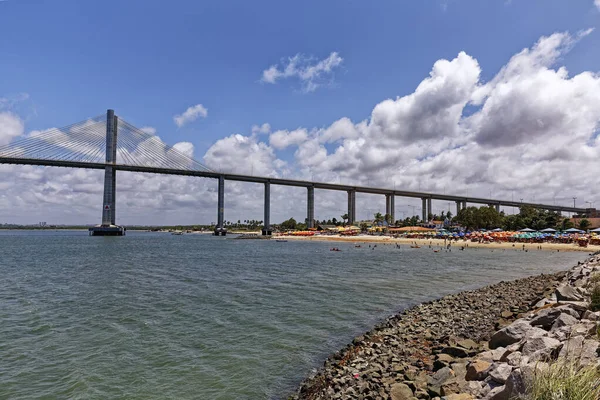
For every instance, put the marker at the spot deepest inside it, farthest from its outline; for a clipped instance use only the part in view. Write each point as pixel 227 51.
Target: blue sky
pixel 150 60
pixel 63 61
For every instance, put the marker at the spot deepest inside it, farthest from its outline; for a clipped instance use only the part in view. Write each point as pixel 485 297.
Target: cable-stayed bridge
pixel 110 143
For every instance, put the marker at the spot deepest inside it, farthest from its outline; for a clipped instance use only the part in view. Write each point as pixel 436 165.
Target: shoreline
pixel 438 243
pixel 407 351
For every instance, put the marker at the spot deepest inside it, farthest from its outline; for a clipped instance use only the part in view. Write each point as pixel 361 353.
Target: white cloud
pixel 191 114
pixel 532 132
pixel 262 129
pixel 282 139
pixel 149 130
pixel 310 72
pixel 11 126
pixel 597 3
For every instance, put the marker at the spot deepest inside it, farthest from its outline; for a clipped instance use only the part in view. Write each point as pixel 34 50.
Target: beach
pixel 437 244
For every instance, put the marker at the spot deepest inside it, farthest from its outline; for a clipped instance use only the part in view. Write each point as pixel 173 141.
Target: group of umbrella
pixel 527 233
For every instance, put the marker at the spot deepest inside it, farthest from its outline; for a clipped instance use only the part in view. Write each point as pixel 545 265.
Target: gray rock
pixel 498 393
pixel 546 317
pixel 510 334
pixel 477 370
pixel 501 372
pixel 567 293
pixel 514 359
pixel 537 344
pixel 564 319
pixel 516 384
pixel 572 348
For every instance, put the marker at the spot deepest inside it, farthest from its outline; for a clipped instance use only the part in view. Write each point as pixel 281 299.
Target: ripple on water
pixel 152 316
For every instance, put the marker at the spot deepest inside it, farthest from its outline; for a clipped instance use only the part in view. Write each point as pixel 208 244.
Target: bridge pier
pixel 424 209
pixel 310 208
pixel 458 207
pixel 220 230
pixel 390 208
pixel 429 210
pixel 109 226
pixel 267 218
pixel 498 207
pixel 351 207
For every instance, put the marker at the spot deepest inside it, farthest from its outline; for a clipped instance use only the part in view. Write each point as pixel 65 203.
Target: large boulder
pixel 477 370
pixel 567 293
pixel 501 372
pixel 541 346
pixel 546 317
pixel 401 391
pixel 510 334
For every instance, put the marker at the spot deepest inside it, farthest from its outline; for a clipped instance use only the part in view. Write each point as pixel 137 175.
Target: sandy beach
pixel 437 243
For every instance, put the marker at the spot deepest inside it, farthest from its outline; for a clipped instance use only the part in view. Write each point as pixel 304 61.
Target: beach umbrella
pixel 527 230
pixel 573 230
pixel 497 230
pixel 596 230
pixel 548 230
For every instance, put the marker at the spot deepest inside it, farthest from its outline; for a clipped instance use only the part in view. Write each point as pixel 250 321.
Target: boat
pixel 176 233
pixel 415 247
pixel 281 240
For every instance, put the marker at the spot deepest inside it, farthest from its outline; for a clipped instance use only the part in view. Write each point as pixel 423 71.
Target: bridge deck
pixel 284 182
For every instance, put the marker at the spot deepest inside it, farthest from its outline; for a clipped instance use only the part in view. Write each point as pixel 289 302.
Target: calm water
pixel 155 316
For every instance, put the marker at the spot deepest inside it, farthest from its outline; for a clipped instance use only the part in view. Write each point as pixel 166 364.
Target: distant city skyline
pixel 499 100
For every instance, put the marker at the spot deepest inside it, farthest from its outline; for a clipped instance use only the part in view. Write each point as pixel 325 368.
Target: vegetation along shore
pixel 527 337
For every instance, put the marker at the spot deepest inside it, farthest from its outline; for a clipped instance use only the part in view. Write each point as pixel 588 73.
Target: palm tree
pixel 345 217
pixel 378 217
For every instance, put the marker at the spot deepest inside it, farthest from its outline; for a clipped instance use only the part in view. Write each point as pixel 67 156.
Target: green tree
pixel 378 217
pixel 566 224
pixel 345 217
pixel 290 224
pixel 584 224
pixel 334 221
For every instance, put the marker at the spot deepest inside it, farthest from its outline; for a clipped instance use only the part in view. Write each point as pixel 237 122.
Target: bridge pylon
pixel 109 226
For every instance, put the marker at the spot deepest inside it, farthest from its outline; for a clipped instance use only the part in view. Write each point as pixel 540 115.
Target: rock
pixel 592 316
pixel 506 314
pixel 455 351
pixel 516 384
pixel 578 306
pixel 584 328
pixel 461 396
pixel 401 391
pixel 589 352
pixel 564 320
pixel 452 386
pixel 510 334
pixel 546 317
pixel 567 293
pixel 572 347
pixel 500 373
pixel 437 379
pixel 442 360
pixel 540 344
pixel 497 393
pixel 467 344
pixel 477 370
pixel 514 359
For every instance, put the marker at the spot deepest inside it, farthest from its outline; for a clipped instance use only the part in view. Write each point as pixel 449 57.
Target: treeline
pixel 528 217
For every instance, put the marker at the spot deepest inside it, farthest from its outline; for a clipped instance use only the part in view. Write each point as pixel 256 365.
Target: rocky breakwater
pixel 481 344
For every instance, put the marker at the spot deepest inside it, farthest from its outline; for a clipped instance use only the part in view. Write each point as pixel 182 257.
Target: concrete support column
pixel 388 204
pixel 351 207
pixel 220 228
pixel 464 204
pixel 429 211
pixel 267 218
pixel 458 207
pixel 310 208
pixel 110 174
pixel 424 209
pixel 392 209
pixel 498 207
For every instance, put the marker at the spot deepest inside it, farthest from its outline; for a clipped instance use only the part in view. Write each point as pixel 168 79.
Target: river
pixel 154 316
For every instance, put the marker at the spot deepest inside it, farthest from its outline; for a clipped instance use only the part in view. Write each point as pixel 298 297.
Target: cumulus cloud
pixel 597 3
pixel 191 114
pixel 11 126
pixel 310 72
pixel 532 131
pixel 282 139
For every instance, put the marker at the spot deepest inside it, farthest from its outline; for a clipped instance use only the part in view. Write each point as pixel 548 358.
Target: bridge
pixel 110 143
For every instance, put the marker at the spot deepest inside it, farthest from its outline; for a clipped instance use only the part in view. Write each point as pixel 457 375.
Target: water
pixel 154 316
